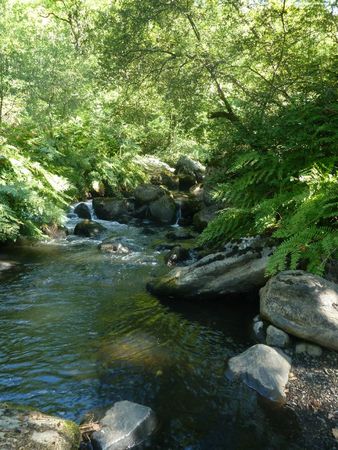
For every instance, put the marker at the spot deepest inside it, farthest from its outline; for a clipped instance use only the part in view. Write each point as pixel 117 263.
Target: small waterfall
pixel 178 214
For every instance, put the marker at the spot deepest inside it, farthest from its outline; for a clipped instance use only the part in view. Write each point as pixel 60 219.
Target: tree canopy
pixel 248 86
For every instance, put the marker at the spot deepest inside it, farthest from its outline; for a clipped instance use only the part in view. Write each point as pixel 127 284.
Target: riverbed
pixel 78 332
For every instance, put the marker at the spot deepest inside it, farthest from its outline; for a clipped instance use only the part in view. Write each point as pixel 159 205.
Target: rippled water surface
pixel 78 331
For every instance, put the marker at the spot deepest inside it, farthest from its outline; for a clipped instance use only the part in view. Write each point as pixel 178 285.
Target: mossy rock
pixel 22 427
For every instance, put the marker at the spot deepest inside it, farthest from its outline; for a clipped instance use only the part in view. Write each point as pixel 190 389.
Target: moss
pixel 72 431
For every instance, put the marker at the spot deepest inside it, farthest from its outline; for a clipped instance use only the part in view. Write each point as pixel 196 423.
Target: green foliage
pixel 289 191
pixel 30 195
pixel 247 86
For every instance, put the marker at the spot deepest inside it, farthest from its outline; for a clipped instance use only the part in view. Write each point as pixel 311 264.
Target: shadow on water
pixel 78 332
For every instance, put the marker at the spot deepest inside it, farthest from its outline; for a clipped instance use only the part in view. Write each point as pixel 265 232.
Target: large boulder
pixel 163 210
pixel 22 428
pixel 112 208
pixel 82 210
pixel 160 172
pixel 147 193
pixel 262 368
pixel 213 276
pixel 152 164
pixel 124 426
pixel 202 218
pixel 186 165
pixel 304 305
pixel 88 228
pixel 188 204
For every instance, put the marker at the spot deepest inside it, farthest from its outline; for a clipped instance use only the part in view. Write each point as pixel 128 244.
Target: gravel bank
pixel 313 396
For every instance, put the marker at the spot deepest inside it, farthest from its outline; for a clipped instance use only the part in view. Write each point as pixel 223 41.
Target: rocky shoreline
pixel 293 305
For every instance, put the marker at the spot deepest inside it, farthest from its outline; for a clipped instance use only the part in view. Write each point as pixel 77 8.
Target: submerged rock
pixel 82 210
pixel 124 426
pixel 212 276
pixel 114 247
pixel 304 305
pixel 88 228
pixel 179 234
pixel 22 428
pixel 262 368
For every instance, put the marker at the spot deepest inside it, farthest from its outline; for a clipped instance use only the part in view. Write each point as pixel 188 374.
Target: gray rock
pixel 214 275
pixel 190 166
pixel 124 426
pixel 203 217
pixel 82 210
pixel 186 181
pixel 277 337
pixel 176 255
pixel 262 368
pixel 147 193
pixel 310 349
pixel 152 164
pixel 303 305
pixel 114 247
pixel 163 210
pixel 259 332
pixel 8 266
pixel 112 208
pixel 22 428
pixel 88 228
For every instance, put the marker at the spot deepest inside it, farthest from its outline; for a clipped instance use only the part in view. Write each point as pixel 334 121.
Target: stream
pixel 78 332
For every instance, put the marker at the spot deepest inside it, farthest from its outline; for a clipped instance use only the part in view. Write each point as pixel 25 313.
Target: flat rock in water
pixel 212 276
pixel 262 368
pixel 304 305
pixel 26 429
pixel 124 426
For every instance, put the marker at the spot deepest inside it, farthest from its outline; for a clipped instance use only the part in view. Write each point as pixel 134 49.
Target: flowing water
pixel 78 331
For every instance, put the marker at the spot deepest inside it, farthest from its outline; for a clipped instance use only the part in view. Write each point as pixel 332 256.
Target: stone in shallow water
pixel 213 276
pixel 124 426
pixel 22 428
pixel 82 210
pixel 262 368
pixel 277 337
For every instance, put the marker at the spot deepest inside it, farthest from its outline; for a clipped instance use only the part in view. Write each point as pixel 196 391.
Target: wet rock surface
pixel 112 209
pixel 303 305
pixel 27 429
pixel 262 368
pixel 82 210
pixel 88 228
pixel 276 337
pixel 124 426
pixel 213 275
